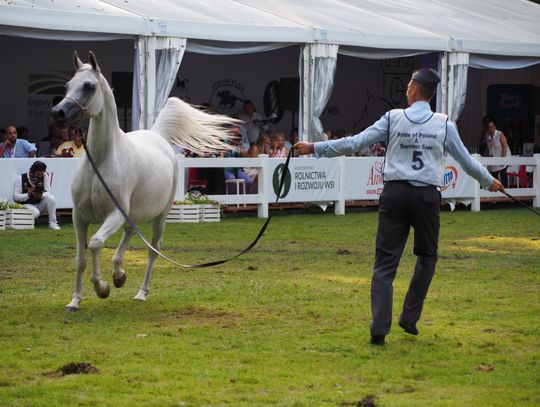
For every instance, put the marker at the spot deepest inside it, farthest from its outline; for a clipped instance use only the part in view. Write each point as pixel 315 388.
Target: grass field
pixel 285 325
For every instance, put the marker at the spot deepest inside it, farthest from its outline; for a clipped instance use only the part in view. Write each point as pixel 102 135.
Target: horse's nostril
pixel 57 113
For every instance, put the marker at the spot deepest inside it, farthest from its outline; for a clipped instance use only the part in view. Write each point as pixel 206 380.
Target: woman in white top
pixel 497 147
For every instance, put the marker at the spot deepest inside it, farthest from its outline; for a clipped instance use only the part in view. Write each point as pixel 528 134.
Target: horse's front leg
pixel 158 226
pixel 112 223
pixel 119 276
pixel 81 233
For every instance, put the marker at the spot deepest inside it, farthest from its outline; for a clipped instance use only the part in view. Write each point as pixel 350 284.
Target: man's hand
pixel 496 186
pixel 303 148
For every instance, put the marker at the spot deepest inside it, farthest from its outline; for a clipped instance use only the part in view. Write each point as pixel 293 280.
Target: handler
pixel 417 140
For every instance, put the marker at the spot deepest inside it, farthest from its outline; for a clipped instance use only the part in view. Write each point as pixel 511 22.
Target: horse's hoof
pixel 71 309
pixel 102 289
pixel 120 281
pixel 141 296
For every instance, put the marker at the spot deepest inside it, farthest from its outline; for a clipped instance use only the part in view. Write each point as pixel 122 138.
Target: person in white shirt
pixel 416 140
pixel 32 190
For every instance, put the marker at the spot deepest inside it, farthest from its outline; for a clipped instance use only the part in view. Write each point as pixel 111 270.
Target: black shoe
pixel 410 329
pixel 377 340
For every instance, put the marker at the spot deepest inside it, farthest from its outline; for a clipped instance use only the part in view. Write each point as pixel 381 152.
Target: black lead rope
pixel 521 203
pixel 138 232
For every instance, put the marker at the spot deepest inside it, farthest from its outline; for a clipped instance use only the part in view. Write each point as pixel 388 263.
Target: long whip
pixel 513 198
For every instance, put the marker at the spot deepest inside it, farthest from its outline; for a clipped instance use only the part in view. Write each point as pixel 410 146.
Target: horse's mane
pixel 182 124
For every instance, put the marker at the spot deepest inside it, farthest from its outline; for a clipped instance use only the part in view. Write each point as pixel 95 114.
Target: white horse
pixel 139 167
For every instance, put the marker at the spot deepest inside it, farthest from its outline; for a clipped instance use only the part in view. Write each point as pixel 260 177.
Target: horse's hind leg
pixel 158 226
pixel 119 276
pixel 81 231
pixel 112 223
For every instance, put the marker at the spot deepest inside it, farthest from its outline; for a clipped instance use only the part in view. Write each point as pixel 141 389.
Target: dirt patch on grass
pixel 73 368
pixel 368 401
pixel 198 316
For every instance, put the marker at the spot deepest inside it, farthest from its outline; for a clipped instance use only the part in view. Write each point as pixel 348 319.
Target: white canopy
pixel 497 27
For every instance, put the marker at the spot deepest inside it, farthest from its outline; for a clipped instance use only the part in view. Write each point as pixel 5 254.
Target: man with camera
pixel 32 190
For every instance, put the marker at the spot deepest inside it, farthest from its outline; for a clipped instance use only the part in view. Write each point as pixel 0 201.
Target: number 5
pixel 417 159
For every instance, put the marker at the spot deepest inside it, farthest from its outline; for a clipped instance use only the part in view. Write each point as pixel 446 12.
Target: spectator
pixel 252 126
pixel 73 147
pixel 483 143
pixel 497 147
pixel 32 190
pixel 237 150
pixel 12 147
pixel 278 146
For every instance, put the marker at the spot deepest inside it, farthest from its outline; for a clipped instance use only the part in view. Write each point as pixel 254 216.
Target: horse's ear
pixel 76 61
pixel 93 61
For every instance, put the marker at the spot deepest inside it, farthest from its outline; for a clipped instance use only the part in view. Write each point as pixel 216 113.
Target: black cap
pixel 427 77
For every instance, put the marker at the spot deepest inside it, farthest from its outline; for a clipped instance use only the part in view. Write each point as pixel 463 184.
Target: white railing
pixel 334 180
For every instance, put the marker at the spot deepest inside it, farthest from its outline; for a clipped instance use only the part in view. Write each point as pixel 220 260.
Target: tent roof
pixel 498 27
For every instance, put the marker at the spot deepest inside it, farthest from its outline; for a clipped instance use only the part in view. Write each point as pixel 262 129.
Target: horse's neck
pixel 104 130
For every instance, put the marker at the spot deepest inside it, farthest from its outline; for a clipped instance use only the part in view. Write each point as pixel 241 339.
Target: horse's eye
pixel 89 86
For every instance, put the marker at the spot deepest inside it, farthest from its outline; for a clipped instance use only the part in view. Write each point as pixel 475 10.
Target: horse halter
pixel 83 108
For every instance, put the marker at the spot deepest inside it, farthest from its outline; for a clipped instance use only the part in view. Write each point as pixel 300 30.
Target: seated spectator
pixel 73 147
pixel 278 146
pixel 60 136
pixel 237 150
pixel 13 147
pixel 261 147
pixel 32 190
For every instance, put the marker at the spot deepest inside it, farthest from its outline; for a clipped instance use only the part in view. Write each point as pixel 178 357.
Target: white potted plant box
pixel 19 219
pixel 210 213
pixel 184 213
pixel 2 220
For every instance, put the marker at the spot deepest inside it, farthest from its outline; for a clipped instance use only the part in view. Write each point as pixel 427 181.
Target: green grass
pixel 286 324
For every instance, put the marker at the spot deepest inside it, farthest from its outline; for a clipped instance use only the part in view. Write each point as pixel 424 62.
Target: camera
pixel 38 184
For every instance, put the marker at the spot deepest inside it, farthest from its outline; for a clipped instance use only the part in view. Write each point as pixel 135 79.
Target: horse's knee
pixel 95 243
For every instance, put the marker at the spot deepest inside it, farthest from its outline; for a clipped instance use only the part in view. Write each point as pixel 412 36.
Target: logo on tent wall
pixel 227 96
pixel 50 83
pixel 181 90
pixel 450 178
pixel 276 178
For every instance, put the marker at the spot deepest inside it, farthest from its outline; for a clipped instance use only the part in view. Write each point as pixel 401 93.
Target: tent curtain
pixel 480 61
pixel 169 54
pixel 376 53
pixel 226 48
pixel 324 58
pixel 157 60
pixel 136 88
pixel 458 65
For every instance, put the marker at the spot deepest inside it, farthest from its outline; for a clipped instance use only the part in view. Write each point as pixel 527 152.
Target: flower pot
pixel 2 220
pixel 184 213
pixel 19 219
pixel 210 213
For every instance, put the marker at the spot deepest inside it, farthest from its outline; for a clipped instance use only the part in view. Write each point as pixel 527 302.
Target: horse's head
pixel 83 93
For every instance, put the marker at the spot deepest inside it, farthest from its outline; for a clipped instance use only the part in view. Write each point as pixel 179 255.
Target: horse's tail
pixel 182 124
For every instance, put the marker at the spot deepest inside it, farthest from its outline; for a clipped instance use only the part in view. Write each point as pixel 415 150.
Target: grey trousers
pixel 401 206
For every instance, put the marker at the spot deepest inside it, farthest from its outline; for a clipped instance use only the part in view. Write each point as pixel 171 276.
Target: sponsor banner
pixel 456 182
pixel 307 180
pixel 60 173
pixel 363 178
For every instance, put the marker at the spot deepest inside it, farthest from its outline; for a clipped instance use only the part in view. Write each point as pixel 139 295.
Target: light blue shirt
pixel 418 112
pixel 20 150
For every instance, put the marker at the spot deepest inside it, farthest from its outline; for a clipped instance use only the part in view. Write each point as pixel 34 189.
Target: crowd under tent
pixel 461 38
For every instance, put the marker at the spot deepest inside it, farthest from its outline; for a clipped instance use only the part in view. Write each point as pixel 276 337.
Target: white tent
pixel 490 33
